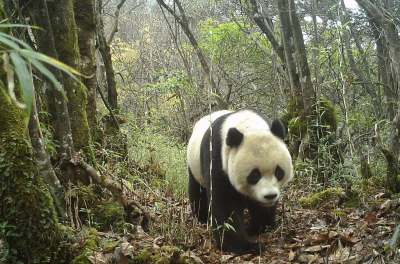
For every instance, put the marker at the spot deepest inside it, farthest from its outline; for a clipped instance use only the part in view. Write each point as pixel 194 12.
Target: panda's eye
pixel 254 177
pixel 279 173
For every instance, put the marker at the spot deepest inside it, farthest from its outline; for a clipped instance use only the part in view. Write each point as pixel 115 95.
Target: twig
pixel 115 122
pixel 110 185
pixel 395 237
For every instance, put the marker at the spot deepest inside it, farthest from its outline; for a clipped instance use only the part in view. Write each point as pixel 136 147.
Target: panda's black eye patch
pixel 279 173
pixel 254 177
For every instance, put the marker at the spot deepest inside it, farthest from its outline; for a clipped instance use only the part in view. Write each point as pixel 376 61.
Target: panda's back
pixel 194 145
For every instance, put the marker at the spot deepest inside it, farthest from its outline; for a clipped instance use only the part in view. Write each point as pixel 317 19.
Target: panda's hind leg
pixel 198 199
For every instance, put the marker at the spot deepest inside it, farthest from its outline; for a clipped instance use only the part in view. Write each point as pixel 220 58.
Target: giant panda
pixel 237 160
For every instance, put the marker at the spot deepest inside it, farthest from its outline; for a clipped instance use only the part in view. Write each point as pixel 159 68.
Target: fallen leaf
pixel 314 249
pixel 308 258
pixel 292 255
pixel 370 218
pixel 350 240
pixel 191 255
pixel 98 258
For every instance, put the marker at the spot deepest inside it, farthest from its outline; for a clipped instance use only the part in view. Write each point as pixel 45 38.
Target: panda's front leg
pixel 261 217
pixel 227 219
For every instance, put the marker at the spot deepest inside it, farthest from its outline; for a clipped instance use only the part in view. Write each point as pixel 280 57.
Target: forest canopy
pixel 98 100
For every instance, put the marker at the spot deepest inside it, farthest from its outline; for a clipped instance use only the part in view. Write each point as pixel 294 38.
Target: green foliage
pixel 91 243
pixel 327 198
pixel 109 214
pixel 227 42
pixel 148 143
pixel 23 57
pixel 32 213
pixel 6 232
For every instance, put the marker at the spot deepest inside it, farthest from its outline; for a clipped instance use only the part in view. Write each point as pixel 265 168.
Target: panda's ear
pixel 234 137
pixel 278 129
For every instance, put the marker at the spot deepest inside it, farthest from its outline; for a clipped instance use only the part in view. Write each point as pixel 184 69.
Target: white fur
pixel 193 150
pixel 260 149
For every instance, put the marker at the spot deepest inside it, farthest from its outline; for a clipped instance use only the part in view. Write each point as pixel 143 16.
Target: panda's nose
pixel 270 196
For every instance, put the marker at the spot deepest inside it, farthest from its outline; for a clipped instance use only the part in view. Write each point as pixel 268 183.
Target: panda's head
pixel 259 163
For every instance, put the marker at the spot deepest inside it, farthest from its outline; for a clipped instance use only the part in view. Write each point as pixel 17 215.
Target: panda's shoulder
pixel 246 119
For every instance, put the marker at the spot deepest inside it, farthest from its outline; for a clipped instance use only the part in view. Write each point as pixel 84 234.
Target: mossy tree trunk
pixel 63 24
pixel 381 18
pixel 85 21
pixel 25 199
pixel 303 100
pixel 57 104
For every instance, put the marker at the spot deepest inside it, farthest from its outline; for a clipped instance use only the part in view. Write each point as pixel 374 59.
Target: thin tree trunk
pixel 44 164
pixel 115 25
pixel 345 20
pixel 105 52
pixel 183 22
pixel 266 29
pixel 85 21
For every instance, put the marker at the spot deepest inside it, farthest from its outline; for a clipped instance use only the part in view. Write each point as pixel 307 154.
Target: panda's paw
pixel 244 247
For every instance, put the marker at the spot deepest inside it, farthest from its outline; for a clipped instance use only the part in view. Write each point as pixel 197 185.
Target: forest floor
pixel 323 235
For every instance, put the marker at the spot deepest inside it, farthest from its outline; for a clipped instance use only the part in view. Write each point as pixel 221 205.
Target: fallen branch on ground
pixel 115 188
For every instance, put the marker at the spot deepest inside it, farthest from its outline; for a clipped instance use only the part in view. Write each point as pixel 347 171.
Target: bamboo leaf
pixel 38 65
pixel 25 79
pixel 10 80
pixel 9 43
pixel 58 64
pixel 18 25
pixel 13 39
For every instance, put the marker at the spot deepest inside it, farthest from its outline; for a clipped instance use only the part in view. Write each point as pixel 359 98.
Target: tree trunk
pixel 106 55
pixel 301 56
pixel 26 202
pixel 25 199
pixel 85 21
pixel 384 21
pixel 360 73
pixel 44 164
pixel 56 102
pixel 63 25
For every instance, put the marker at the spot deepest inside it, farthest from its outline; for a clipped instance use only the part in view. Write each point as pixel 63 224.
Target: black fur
pixel 198 199
pixel 279 173
pixel 227 204
pixel 278 129
pixel 234 137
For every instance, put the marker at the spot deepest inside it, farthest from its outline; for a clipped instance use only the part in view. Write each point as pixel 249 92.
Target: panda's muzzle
pixel 270 196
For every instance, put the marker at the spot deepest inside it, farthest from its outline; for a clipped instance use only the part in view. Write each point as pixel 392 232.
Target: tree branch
pixel 115 188
pixel 115 25
pixel 183 22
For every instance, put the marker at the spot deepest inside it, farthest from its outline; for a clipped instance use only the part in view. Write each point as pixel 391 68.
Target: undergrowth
pixel 147 146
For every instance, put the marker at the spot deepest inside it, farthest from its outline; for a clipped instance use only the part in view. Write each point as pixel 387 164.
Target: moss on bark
pixel 64 27
pixel 86 28
pixel 25 199
pixel 66 43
